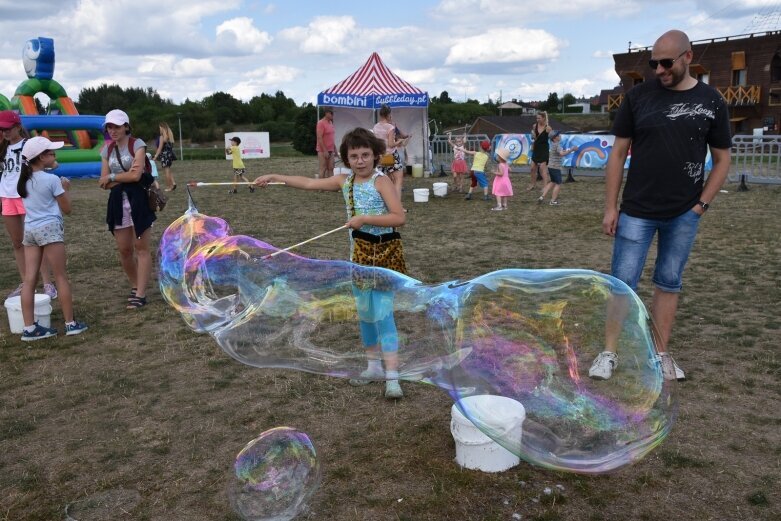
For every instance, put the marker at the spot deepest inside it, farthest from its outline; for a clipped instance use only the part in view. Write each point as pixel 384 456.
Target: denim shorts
pixel 555 175
pixel 46 234
pixel 674 243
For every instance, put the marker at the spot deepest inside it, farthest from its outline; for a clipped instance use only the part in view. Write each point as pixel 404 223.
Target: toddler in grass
pixel 238 164
pixel 554 168
pixel 502 187
pixel 479 163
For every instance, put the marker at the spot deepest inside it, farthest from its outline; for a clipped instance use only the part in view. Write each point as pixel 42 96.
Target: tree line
pixel 207 120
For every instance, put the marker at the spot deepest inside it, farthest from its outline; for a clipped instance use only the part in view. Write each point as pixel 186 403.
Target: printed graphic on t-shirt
pixel 693 170
pixel 689 110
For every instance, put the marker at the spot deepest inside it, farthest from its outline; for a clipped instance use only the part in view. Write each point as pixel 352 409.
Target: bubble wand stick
pixel 194 184
pixel 342 227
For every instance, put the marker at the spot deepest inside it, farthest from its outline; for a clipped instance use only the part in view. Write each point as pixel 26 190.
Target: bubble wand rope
pixel 194 184
pixel 342 227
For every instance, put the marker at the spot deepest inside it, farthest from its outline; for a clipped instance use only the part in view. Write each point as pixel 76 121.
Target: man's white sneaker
pixel 670 370
pixel 602 368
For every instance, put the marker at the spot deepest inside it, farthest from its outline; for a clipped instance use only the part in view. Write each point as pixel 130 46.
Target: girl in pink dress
pixel 502 187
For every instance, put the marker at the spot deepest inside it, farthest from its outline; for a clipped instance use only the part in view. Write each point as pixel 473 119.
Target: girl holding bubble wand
pixel 459 166
pixel 46 199
pixel 374 211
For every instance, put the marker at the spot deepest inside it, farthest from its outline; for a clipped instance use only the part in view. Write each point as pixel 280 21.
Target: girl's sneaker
pixel 51 290
pixel 39 333
pixel 16 292
pixel 75 328
pixel 497 208
pixel 554 202
pixel 393 389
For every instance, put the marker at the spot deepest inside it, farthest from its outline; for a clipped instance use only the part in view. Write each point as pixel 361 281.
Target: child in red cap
pixel 479 164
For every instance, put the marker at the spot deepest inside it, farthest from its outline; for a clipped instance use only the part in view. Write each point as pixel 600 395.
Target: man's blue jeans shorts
pixel 633 240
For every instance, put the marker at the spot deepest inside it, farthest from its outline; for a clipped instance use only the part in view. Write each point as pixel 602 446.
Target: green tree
pixel 552 103
pixel 569 99
pixel 304 139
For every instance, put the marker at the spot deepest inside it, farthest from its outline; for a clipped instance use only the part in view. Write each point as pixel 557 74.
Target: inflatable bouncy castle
pixel 83 135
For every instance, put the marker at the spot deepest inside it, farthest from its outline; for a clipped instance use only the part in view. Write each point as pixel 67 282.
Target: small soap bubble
pixel 274 475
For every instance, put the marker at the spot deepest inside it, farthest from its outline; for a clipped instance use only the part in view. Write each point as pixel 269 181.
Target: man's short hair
pixel 326 110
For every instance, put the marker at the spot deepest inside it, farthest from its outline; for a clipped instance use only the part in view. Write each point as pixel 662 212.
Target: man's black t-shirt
pixel 670 131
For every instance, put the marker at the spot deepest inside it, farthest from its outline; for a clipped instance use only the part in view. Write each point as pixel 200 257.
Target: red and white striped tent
pixel 356 100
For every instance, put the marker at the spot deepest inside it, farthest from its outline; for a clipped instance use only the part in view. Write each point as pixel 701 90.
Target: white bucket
pixel 420 195
pixel 440 189
pixel 475 450
pixel 42 311
pixel 417 170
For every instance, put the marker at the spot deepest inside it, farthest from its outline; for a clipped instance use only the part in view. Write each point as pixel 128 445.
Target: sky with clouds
pixel 469 48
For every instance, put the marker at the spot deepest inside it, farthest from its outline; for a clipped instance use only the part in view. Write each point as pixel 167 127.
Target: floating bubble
pixel 274 475
pixel 527 335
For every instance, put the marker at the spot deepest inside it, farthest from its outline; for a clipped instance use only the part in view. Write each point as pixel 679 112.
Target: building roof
pixel 517 124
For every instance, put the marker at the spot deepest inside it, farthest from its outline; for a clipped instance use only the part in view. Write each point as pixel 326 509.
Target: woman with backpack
pixel 128 215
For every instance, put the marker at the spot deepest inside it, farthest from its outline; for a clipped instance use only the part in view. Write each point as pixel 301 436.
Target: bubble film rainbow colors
pixel 274 475
pixel 528 335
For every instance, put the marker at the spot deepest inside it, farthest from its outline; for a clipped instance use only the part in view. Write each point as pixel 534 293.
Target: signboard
pixel 254 145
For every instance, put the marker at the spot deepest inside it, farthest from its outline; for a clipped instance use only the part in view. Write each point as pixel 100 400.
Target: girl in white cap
pixel 128 214
pixel 502 187
pixel 46 198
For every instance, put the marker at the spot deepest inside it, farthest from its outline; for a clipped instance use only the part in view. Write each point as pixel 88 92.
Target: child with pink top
pixel 502 187
pixel 459 166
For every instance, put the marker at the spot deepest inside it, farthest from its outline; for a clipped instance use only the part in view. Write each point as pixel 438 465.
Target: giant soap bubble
pixel 274 475
pixel 528 335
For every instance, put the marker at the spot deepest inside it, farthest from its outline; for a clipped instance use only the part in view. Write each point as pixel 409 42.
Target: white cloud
pixel 241 36
pixel 270 9
pixel 602 54
pixel 264 79
pixel 504 46
pixel 324 35
pixel 492 10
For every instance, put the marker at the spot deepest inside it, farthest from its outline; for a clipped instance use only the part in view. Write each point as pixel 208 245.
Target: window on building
pixel 774 97
pixel 739 77
pixel 700 72
pixel 738 68
pixel 775 68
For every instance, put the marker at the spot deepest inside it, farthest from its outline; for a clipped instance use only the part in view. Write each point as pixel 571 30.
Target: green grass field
pixel 142 408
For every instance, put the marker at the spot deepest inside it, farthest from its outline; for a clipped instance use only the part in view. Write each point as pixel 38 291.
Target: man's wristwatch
pixel 112 177
pixel 703 205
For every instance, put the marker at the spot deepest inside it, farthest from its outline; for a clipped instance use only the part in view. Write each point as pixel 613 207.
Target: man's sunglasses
pixel 667 63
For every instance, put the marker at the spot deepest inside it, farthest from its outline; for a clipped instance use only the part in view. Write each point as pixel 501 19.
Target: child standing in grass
pixel 374 211
pixel 238 164
pixel 554 168
pixel 458 167
pixel 478 169
pixel 502 187
pixel 46 198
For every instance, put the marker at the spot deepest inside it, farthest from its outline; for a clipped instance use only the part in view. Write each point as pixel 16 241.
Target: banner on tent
pixel 373 101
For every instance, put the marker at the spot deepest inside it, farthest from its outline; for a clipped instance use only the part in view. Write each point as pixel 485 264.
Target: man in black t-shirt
pixel 669 123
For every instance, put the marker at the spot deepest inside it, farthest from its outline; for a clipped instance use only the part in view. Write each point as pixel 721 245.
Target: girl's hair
pixel 4 144
pixel 237 139
pixel 24 175
pixel 544 116
pixel 358 138
pixel 385 111
pixel 166 131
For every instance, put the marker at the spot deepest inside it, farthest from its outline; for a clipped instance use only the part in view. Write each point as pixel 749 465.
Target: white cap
pixel 35 146
pixel 117 117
